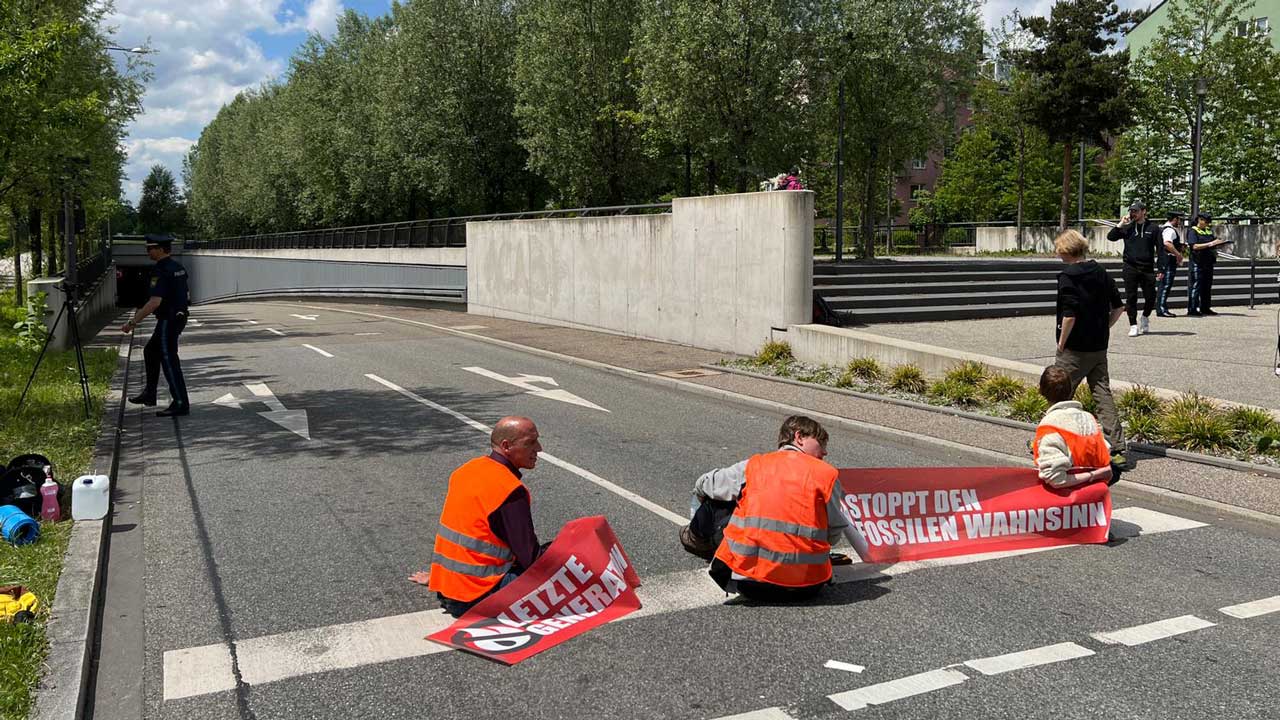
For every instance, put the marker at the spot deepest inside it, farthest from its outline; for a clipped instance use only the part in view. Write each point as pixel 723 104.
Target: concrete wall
pixel 716 273
pixel 218 275
pixel 397 256
pixel 1251 240
pixel 99 300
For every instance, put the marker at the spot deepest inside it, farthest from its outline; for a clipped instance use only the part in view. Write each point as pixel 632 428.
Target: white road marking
pixel 468 327
pixel 229 400
pixel 207 669
pixel 264 394
pixel 369 333
pixel 526 383
pixel 847 667
pixel 1139 634
pixel 906 687
pixel 1148 522
pixel 295 421
pixel 193 322
pixel 580 472
pixel 275 331
pixel 303 317
pixel 313 347
pixel 1029 658
pixel 251 322
pixel 1253 609
pixel 773 713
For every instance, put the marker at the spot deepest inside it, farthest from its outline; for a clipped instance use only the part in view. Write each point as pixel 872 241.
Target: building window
pixel 1256 26
pixel 918 164
pixel 915 191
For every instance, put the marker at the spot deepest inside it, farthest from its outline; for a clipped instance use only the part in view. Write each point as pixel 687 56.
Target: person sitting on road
pixel 486 538
pixel 767 523
pixel 1069 447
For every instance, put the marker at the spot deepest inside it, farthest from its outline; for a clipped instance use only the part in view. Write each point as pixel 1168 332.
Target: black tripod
pixel 69 310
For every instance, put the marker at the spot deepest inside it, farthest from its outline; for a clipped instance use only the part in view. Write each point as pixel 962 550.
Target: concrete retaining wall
pixel 1250 240
pixel 397 256
pixel 219 275
pixel 717 273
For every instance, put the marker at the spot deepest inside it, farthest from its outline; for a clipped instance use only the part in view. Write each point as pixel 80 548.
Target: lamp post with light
pixel 1202 89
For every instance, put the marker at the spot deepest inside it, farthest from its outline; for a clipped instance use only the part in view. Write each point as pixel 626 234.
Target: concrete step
pixel 928 313
pixel 1268 288
pixel 988 276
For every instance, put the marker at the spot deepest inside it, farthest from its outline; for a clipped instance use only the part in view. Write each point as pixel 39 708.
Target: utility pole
pixel 840 176
pixel 1080 191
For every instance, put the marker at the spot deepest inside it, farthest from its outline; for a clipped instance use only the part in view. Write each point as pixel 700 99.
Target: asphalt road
pixel 240 543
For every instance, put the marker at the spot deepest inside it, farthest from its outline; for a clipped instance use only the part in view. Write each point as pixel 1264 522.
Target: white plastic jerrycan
pixel 90 497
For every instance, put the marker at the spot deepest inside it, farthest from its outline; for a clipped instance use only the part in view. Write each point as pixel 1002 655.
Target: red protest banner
pixel 582 581
pixel 920 513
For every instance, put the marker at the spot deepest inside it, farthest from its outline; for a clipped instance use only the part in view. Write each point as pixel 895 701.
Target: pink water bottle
pixel 49 508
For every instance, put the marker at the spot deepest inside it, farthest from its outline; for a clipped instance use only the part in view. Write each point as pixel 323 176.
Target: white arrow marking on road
pixel 228 400
pixel 526 383
pixel 303 317
pixel 295 421
pixel 274 331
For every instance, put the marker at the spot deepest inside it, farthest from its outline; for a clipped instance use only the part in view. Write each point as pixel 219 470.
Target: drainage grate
pixel 690 373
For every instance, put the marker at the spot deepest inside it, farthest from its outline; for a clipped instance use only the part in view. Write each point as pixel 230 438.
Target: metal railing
pixel 448 232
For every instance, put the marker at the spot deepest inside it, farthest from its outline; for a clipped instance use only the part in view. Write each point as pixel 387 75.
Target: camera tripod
pixel 69 311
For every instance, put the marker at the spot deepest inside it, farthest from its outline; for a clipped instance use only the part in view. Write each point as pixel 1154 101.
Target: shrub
pixel 865 368
pixel 1249 421
pixel 1002 388
pixel 903 239
pixel 956 236
pixel 968 372
pixel 1145 426
pixel 1085 397
pixel 1030 406
pixel 1193 423
pixel 1139 400
pixel 908 378
pixel 954 392
pixel 773 353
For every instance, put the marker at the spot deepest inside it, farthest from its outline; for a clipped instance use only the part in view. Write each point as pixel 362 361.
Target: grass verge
pixel 53 424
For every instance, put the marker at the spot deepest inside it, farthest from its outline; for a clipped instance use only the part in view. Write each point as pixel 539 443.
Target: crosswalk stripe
pixel 1149 632
pixel 772 713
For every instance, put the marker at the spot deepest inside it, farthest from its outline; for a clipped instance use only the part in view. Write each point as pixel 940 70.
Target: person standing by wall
pixel 1141 247
pixel 1204 255
pixel 1170 259
pixel 169 300
pixel 1088 305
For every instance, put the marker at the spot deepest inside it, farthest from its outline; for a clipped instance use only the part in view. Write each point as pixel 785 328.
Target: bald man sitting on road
pixel 486 537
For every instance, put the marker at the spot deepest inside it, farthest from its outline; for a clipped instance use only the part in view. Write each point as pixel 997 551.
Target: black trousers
pixel 1204 286
pixel 1169 267
pixel 1135 277
pixel 161 354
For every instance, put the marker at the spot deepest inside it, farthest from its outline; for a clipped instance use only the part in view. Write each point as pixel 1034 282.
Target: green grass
pixel 1002 388
pixel 968 372
pixel 865 369
pixel 52 423
pixel 775 353
pixel 1086 399
pixel 908 378
pixel 1030 406
pixel 1195 424
pixel 954 392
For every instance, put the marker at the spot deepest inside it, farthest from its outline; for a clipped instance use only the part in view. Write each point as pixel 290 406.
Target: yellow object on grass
pixel 10 606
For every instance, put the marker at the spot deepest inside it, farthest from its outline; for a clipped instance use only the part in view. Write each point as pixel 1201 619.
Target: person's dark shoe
pixel 174 411
pixel 143 399
pixel 1194 314
pixel 1166 314
pixel 1210 313
pixel 1120 461
pixel 696 545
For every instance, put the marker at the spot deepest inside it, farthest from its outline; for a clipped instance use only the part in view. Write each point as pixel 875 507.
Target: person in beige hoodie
pixel 1069 448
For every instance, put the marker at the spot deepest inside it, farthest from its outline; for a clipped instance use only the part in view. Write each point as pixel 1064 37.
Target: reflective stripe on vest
pixel 470 559
pixel 778 532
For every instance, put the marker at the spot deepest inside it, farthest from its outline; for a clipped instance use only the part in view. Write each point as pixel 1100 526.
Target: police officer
pixel 1204 255
pixel 168 302
pixel 1170 258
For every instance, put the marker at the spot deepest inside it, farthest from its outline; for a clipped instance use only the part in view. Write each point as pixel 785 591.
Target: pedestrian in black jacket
pixel 1088 305
pixel 1204 255
pixel 1142 246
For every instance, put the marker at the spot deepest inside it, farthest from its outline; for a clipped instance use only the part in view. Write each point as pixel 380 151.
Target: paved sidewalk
pixel 1235 488
pixel 1230 356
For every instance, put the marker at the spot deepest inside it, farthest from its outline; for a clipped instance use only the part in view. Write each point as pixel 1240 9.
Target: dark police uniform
pixel 170 285
pixel 1168 265
pixel 1200 277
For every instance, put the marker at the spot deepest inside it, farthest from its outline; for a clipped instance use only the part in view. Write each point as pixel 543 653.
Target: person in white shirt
pixel 1170 259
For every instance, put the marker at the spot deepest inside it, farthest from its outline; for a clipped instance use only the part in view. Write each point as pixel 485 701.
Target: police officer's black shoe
pixel 174 411
pixel 1210 313
pixel 143 399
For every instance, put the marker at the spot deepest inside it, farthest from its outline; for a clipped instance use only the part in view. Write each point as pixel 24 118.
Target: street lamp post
pixel 1202 89
pixel 134 50
pixel 840 175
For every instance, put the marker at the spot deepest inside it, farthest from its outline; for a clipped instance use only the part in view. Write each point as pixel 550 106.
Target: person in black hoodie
pixel 1088 305
pixel 1142 246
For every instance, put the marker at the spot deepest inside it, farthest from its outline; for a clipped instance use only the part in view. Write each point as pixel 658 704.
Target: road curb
pixel 1144 448
pixel 73 619
pixel 900 437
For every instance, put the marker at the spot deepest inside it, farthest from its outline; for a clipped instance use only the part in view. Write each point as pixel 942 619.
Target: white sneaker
pixel 1144 325
pixel 1133 331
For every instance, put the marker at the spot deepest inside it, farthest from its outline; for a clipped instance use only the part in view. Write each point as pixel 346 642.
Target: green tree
pixel 1079 80
pixel 160 207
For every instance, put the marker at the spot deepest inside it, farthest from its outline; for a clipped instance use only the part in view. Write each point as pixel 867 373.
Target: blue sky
pixel 206 53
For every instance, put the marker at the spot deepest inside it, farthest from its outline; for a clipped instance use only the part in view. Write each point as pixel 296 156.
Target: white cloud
pixel 995 10
pixel 204 54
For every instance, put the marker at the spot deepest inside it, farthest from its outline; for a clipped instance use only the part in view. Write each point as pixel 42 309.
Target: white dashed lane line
pixel 1248 610
pixel 906 687
pixel 1159 630
pixel 275 332
pixel 772 713
pixel 1029 658
pixel 318 350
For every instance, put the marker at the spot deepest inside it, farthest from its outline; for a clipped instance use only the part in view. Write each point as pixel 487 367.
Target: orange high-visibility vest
pixel 470 559
pixel 778 532
pixel 1087 451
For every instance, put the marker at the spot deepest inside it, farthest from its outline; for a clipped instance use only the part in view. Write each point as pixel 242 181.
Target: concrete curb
pixel 73 620
pixel 980 455
pixel 1144 448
